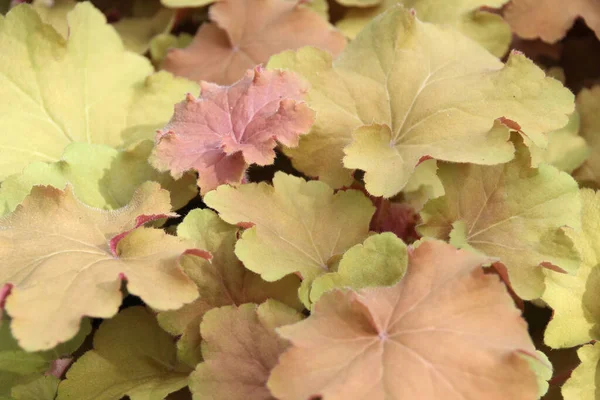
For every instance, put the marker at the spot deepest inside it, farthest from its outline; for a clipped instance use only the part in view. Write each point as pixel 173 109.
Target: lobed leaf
pixel 240 348
pixel 229 127
pixel 221 281
pixel 583 383
pixel 297 226
pixel 467 16
pixel 381 111
pixel 550 20
pixel 512 212
pixel 65 260
pixel 574 298
pixel 96 173
pixel 244 33
pixel 63 92
pixel 140 363
pixel 445 330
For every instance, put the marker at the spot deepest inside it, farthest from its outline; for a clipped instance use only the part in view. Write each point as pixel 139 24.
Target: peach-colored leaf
pixel 550 20
pixel 445 331
pixel 240 348
pixel 229 127
pixel 65 260
pixel 244 33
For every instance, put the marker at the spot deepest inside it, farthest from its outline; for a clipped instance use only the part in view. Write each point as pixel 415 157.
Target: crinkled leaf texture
pixel 512 212
pixel 102 177
pixel 550 20
pixel 221 281
pixel 298 226
pixel 132 356
pixel 380 261
pixel 487 28
pixel 229 127
pixel 65 260
pixel 405 90
pixel 446 330
pixel 583 383
pixel 575 298
pixel 86 88
pixel 240 348
pixel 244 33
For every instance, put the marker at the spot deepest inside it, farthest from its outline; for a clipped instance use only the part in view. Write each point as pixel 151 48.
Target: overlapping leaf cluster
pixel 290 202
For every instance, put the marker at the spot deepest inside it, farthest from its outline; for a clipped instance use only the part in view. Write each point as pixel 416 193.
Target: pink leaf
pixel 229 127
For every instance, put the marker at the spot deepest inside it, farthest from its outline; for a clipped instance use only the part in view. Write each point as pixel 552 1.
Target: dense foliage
pixel 296 199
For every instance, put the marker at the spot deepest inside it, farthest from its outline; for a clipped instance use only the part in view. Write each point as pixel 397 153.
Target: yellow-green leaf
pixel 575 298
pixel 221 281
pixel 583 383
pixel 132 356
pixel 487 28
pixel 404 90
pixel 86 88
pixel 98 176
pixel 380 261
pixel 299 226
pixel 512 212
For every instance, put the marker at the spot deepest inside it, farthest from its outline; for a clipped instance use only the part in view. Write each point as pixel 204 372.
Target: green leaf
pixel 96 173
pixel 140 363
pixel 221 281
pixel 380 261
pixel 512 212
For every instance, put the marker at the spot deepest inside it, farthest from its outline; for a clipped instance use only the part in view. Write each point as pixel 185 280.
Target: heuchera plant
pixel 298 200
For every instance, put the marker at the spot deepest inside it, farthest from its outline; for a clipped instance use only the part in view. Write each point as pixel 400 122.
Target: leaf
pixel 21 372
pixel 96 173
pixel 582 385
pixel 63 91
pixel 487 28
pixel 140 363
pixel 446 330
pixel 240 348
pixel 186 3
pixel 542 367
pixel 42 388
pixel 238 38
pixel 221 281
pixel 380 261
pixel 137 32
pixel 566 150
pixel 161 43
pixel 511 212
pixel 17 361
pixel 55 13
pixel 588 105
pixel 574 298
pixel 66 260
pixel 550 20
pixel 229 127
pixel 399 218
pixel 297 226
pixel 379 106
